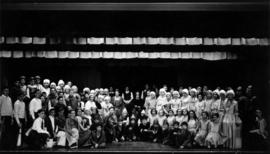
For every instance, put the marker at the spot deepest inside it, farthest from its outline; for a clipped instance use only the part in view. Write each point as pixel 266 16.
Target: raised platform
pixel 136 147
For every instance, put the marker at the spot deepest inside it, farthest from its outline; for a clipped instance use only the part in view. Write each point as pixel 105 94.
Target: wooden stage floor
pixel 136 147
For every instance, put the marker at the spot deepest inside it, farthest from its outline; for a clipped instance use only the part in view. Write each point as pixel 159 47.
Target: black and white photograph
pixel 135 76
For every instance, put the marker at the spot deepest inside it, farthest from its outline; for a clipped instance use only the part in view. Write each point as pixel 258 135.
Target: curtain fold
pixel 216 55
pixel 236 41
pixel 134 40
pixel 12 40
pixel 95 40
pixel 63 54
pixel 85 55
pixel 30 54
pixel 18 54
pixel 166 41
pixel 26 40
pixel 139 40
pixel 2 39
pixel 194 41
pixel 39 40
pixel 152 40
pixel 180 41
pixel 208 41
pixel 252 41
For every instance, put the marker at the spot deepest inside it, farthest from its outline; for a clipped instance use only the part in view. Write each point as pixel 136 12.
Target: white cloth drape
pixel 18 54
pixel 95 40
pixel 236 41
pixel 2 39
pixel 134 40
pixel 208 41
pixel 166 41
pixel 118 55
pixel 12 40
pixel 26 40
pixel 39 40
pixel 180 41
pixel 139 40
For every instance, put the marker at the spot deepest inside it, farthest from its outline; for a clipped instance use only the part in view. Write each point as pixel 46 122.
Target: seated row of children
pixel 83 130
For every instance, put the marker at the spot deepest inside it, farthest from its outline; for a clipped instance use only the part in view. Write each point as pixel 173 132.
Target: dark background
pixel 252 67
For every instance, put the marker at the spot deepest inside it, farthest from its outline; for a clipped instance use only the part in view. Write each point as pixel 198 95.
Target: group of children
pixel 51 115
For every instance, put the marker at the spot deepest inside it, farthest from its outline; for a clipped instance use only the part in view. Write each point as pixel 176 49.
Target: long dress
pixel 61 135
pixel 118 104
pixel 215 106
pixel 208 104
pixel 192 104
pixel 84 135
pixel 160 102
pixel 185 102
pixel 200 105
pixel 229 123
pixel 72 132
pixel 150 104
pixel 203 130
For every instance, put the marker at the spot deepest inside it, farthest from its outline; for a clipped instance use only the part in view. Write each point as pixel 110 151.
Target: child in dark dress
pixel 174 134
pixel 98 137
pixel 111 126
pixel 144 130
pixel 165 134
pixel 156 132
pixel 131 131
pixel 184 140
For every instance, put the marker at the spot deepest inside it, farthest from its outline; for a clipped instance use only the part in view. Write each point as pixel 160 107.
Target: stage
pixel 136 147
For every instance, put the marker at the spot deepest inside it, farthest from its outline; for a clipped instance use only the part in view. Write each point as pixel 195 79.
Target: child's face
pixel 132 121
pixel 112 110
pixel 184 127
pixel 144 121
pixel 96 121
pixel 165 126
pixel 185 112
pixel 124 114
pixel 168 97
pixel 178 112
pixel 200 97
pixel 99 128
pixel 192 93
pixel 42 114
pixel 170 113
pixel 176 126
pixel 214 118
pixel 161 113
pixel 153 112
pixel 204 115
pixel 87 112
pixel 79 112
pixel 209 95
pixel 191 114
